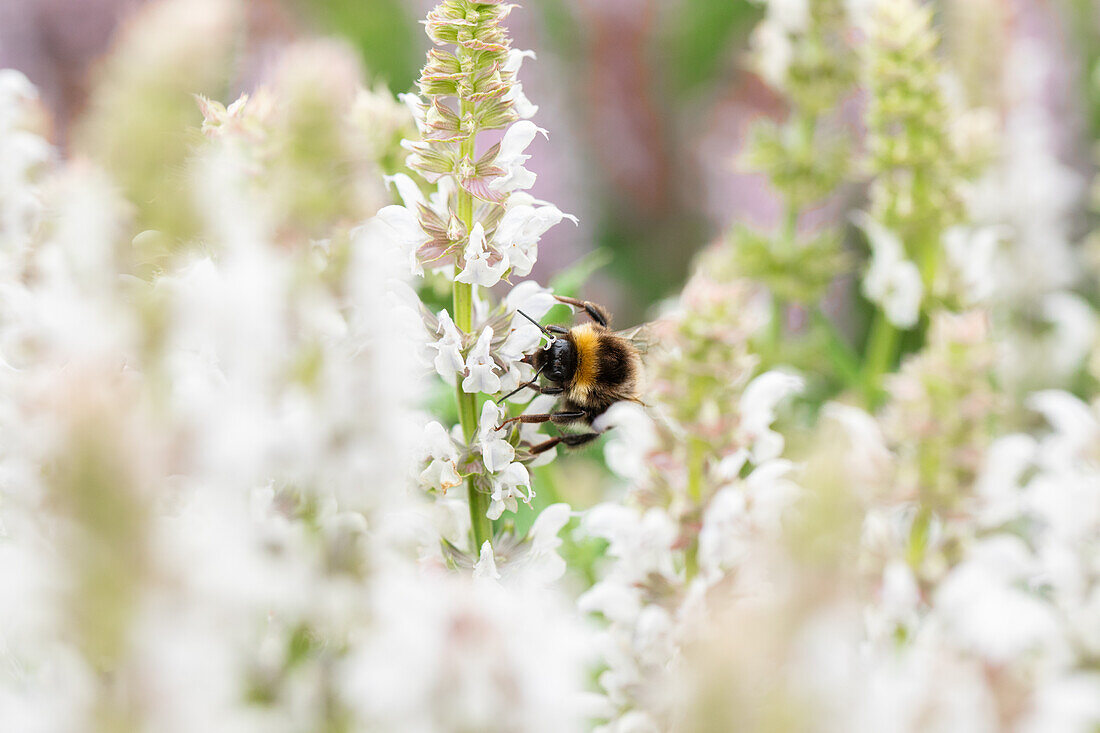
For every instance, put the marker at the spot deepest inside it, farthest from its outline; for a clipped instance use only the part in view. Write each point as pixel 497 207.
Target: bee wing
pixel 641 337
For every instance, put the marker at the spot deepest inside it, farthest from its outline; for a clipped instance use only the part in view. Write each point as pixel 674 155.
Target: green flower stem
pixel 464 317
pixel 881 347
pixel 840 353
pixel 918 539
pixel 788 244
pixel 697 455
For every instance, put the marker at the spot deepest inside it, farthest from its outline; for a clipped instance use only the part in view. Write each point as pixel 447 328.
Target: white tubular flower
pixel 632 440
pixel 496 452
pixel 520 341
pixel 508 485
pixel 523 224
pixel 531 298
pixel 517 374
pixel 520 103
pixel 511 157
pixel 448 359
pixel 524 336
pixel 758 403
pixel 478 269
pixel 442 455
pixel 480 376
pixel 892 281
pixel 486 566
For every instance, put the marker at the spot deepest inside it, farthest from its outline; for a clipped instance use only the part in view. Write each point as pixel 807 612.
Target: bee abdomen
pixel 615 363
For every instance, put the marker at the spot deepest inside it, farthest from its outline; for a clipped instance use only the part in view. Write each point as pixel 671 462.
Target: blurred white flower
pixel 632 436
pixel 757 407
pixel 1075 426
pixel 741 518
pixel 1000 482
pixel 973 251
pixel 868 457
pixel 892 281
pixel 404 229
pixel 984 608
pixel 416 109
pixel 452 653
pixel 641 542
pixel 791 15
pixel 773 51
pixel 542 563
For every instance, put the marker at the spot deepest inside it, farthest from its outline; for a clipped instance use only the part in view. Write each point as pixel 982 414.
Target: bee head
pixel 560 360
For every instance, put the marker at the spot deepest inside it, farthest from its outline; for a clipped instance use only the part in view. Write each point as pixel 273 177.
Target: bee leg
pixel 558 418
pixel 596 312
pixel 557 329
pixel 572 441
pixel 533 384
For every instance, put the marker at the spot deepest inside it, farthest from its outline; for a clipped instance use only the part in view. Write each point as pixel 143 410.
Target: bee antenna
pixel 541 327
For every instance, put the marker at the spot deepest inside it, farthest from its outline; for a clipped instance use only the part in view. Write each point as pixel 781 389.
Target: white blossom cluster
pixel 929 563
pixel 206 517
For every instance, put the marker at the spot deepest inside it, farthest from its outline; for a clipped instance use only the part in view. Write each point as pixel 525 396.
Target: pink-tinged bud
pixel 456 230
pixel 430 159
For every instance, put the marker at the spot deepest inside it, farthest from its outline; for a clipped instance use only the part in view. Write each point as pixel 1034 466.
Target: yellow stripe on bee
pixel 586 341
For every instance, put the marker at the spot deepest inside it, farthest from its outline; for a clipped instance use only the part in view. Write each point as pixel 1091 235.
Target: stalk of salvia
pixel 914 196
pixel 803 51
pixel 479 227
pixel 705 442
pixel 204 525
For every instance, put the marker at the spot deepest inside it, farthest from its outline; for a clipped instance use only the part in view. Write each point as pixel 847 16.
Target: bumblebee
pixel 589 366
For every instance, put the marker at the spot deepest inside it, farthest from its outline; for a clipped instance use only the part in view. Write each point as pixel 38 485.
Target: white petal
pixel 905 291
pixel 529 297
pixel 486 566
pixel 481 379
